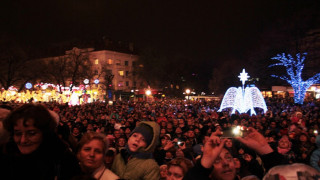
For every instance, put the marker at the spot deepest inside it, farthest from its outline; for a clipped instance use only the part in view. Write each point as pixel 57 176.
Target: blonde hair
pixel 184 163
pixel 89 136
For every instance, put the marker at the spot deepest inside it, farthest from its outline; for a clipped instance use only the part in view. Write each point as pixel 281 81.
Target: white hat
pixel 292 171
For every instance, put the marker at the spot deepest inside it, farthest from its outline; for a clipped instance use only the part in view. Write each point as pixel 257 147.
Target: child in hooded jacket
pixel 136 160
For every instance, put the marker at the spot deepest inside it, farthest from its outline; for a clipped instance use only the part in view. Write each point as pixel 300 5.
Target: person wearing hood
pixel 315 156
pixel 136 160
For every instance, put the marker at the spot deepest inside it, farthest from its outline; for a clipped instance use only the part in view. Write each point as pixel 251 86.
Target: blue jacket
pixel 315 157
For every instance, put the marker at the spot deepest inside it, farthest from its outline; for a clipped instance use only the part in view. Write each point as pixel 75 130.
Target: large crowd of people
pixel 169 139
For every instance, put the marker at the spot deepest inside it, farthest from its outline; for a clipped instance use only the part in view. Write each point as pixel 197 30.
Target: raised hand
pixel 211 150
pixel 168 145
pixel 256 141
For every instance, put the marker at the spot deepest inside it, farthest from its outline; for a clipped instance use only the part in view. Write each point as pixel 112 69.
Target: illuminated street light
pixel 188 92
pixel 148 92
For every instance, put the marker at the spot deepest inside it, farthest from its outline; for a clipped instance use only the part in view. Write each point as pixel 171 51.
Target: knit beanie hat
pixel 146 131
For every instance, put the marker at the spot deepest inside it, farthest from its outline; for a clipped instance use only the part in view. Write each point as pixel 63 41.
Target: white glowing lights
pixel 86 81
pixel 243 76
pixel 148 92
pixel 28 85
pixel 243 100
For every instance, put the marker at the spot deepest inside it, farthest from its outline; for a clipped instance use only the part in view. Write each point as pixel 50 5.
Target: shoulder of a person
pixel 146 162
pixel 108 174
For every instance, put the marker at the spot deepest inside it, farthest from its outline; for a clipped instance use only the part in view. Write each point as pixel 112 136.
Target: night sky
pixel 207 31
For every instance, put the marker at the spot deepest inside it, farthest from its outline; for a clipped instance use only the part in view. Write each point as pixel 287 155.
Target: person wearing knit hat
pixel 136 160
pixel 145 131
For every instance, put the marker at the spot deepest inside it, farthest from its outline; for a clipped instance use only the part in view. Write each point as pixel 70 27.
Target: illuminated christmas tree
pixel 294 67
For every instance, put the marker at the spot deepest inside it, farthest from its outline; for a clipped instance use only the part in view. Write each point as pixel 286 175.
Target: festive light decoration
pixel 46 95
pixel 28 85
pixel 74 99
pixel 86 81
pixel 243 100
pixel 243 76
pixel 294 67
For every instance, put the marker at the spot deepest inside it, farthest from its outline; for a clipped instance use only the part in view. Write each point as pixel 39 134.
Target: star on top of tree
pixel 243 76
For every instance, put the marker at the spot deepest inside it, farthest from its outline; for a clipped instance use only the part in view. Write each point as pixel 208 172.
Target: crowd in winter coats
pixel 184 129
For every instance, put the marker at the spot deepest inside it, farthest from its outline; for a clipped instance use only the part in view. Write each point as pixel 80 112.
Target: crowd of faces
pixel 188 121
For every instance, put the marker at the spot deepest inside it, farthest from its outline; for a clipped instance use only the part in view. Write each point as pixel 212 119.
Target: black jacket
pixel 48 162
pixel 199 172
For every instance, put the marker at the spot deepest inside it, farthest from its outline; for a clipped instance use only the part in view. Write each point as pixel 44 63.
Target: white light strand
pixel 243 100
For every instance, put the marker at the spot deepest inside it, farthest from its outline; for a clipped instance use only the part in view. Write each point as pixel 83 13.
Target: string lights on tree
pixel 294 67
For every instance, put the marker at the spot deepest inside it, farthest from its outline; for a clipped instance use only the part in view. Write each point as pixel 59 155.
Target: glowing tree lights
pixel 243 99
pixel 294 67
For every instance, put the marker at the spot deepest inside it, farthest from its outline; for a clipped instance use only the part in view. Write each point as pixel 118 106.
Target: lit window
pixel 110 61
pixel 96 61
pixel 121 73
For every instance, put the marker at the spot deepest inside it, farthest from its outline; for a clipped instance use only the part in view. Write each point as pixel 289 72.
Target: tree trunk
pixel 299 94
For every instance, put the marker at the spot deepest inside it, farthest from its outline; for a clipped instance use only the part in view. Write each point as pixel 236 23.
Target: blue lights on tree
pixel 294 67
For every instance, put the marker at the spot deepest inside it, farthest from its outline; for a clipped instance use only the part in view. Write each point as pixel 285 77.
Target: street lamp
pixel 148 93
pixel 188 92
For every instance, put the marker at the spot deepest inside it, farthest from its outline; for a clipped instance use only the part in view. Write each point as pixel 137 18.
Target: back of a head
pixel 292 171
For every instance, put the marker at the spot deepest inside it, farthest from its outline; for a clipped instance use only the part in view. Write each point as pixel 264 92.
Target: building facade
pixel 120 66
pixel 107 75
